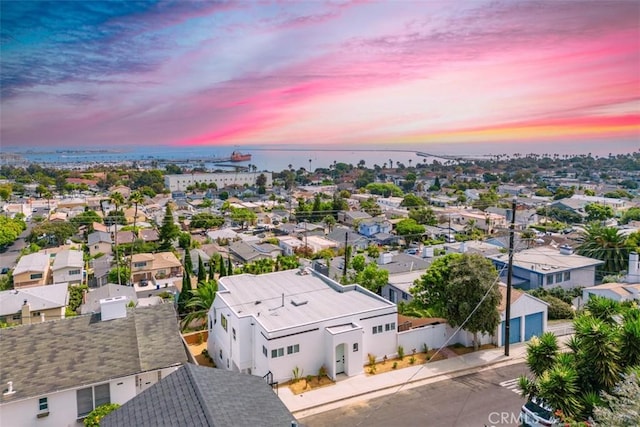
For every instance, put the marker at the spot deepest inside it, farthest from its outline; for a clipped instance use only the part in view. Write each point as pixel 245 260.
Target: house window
pixel 223 321
pixel 43 404
pixel 377 329
pixel 233 331
pixel 293 349
pixel 264 351
pixel 550 279
pixel 405 296
pixel 35 314
pixel 36 276
pixel 277 352
pixel 355 347
pixel 74 272
pixel 567 275
pixel 390 326
pixel 139 264
pixel 91 397
pixel 558 277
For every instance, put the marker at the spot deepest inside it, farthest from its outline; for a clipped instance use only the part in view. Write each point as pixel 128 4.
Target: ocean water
pixel 278 158
pixel 264 159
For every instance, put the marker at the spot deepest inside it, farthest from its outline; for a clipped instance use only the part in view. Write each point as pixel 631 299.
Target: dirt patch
pixel 204 361
pixel 302 385
pixel 465 350
pixel 407 361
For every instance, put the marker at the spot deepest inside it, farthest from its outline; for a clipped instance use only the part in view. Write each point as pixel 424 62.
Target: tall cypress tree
pixel 169 231
pixel 223 270
pixel 212 268
pixel 188 264
pixel 185 293
pixel 202 275
pixel 229 266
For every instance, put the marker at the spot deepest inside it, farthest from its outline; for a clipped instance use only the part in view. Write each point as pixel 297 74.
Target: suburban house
pixel 547 267
pixel 352 217
pixel 99 242
pixel 319 243
pixel 208 397
pixel 289 244
pixel 32 270
pixel 355 240
pixel 34 305
pixel 161 265
pixel 628 290
pixel 373 226
pixel 149 235
pixel 68 267
pixel 398 286
pixel 275 322
pixel 245 252
pixel 79 363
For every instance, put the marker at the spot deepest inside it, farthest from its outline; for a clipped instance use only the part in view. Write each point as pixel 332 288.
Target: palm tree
pixel 605 244
pixel 118 200
pixel 200 302
pixel 136 198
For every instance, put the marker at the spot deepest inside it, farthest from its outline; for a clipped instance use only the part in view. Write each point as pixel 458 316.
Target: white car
pixel 536 414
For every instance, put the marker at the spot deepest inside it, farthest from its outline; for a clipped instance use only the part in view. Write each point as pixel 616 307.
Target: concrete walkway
pixel 349 390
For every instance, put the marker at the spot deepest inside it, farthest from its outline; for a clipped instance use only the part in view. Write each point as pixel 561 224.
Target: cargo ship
pixel 237 156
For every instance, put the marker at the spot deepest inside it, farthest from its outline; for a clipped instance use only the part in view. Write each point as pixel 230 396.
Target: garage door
pixel 532 326
pixel 514 331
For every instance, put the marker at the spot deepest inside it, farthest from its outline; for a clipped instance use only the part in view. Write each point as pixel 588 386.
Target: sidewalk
pixel 348 390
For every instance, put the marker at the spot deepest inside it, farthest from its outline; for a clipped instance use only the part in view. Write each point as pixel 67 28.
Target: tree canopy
pixel 463 289
pixel 169 231
pixel 409 229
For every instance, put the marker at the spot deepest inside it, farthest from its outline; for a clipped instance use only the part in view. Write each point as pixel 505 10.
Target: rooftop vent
pixel 113 308
pixel 9 391
pixel 298 303
pixel 566 250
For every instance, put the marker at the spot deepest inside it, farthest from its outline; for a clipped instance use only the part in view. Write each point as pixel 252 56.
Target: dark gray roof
pixel 198 396
pixel 68 353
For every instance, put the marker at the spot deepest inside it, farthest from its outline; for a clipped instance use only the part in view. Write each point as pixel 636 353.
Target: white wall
pixel 433 335
pixel 62 275
pixel 63 408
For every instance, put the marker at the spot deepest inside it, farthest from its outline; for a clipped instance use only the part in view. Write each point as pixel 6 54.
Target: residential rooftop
pixel 547 259
pixel 37 262
pixel 47 357
pixel 290 298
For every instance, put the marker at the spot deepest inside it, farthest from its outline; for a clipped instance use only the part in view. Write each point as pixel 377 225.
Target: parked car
pixel 537 414
pixel 4 270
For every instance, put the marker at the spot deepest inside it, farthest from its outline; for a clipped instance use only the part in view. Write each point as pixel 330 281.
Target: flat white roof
pixel 308 298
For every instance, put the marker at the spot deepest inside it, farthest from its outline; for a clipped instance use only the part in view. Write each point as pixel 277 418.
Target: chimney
pixel 113 308
pixel 634 268
pixel 25 313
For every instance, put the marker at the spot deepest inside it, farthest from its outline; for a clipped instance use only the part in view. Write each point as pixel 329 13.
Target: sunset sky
pixel 311 73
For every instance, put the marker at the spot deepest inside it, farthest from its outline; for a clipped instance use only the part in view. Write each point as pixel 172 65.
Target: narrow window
pixel 233 331
pixel 264 351
pixel 355 346
pixel 550 279
pixel 567 275
pixel 43 404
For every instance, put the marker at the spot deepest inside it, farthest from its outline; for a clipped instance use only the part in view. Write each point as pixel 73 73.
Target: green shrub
pixel 94 417
pixel 297 374
pixel 372 359
pixel 558 309
pixel 400 352
pixel 395 365
pixel 412 360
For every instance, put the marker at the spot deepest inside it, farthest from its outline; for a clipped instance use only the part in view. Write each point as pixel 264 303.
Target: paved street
pixel 8 258
pixel 487 398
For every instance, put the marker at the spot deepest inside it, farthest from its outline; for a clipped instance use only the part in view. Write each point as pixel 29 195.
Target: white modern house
pixel 68 267
pixel 221 179
pixel 55 373
pixel 626 290
pixel 298 318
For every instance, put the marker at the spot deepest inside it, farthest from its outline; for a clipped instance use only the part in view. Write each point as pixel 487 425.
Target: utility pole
pixel 346 254
pixel 507 320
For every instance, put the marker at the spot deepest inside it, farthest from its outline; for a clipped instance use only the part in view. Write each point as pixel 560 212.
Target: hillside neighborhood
pixel 127 285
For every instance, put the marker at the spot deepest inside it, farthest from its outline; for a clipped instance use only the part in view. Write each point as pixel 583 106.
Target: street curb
pixel 445 375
